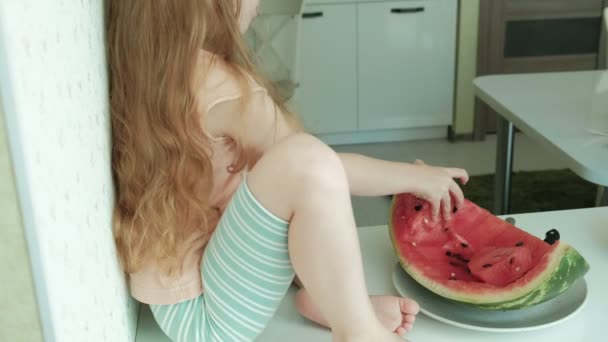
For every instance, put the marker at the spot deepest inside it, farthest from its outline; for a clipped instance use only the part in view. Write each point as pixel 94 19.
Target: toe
pixel 400 331
pixel 409 319
pixel 408 326
pixel 409 306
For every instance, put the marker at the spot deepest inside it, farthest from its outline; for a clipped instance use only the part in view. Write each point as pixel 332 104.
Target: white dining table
pixel 567 112
pixel 585 229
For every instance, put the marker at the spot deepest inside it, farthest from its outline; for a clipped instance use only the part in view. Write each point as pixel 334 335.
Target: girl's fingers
pixel 446 205
pixel 457 195
pixel 459 173
pixel 436 206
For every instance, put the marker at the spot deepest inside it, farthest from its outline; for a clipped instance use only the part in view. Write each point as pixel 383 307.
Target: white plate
pixel 544 315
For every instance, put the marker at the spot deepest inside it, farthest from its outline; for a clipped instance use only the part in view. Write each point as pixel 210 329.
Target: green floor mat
pixel 536 191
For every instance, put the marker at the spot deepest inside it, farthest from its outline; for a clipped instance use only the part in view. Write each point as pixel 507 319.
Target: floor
pixel 477 158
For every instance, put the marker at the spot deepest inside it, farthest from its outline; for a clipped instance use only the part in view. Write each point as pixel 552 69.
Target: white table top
pixel 585 229
pixel 557 109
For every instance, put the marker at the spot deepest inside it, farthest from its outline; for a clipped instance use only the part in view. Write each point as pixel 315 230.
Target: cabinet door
pixel 406 65
pixel 327 97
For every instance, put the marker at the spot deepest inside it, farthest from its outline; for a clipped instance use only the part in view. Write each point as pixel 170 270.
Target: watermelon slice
pixel 478 259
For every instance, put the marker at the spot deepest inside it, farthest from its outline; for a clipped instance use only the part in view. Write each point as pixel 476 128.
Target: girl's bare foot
pixel 395 313
pixel 380 335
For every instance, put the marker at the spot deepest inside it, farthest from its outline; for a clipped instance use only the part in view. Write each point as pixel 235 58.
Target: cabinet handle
pixel 407 10
pixel 311 15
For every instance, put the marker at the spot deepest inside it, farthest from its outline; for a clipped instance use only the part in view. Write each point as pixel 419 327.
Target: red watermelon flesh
pixel 500 266
pixel 443 250
pixel 478 259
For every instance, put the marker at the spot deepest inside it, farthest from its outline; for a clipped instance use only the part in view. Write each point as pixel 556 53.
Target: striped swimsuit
pixel 246 272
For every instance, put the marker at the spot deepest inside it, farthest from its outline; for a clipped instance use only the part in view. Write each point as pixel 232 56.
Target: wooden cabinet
pixel 530 36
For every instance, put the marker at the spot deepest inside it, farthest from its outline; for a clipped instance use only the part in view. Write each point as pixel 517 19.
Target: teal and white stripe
pixel 246 272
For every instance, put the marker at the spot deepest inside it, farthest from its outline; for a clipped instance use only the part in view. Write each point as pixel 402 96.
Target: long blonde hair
pixel 161 157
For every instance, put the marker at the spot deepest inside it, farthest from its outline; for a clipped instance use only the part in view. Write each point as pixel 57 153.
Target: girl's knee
pixel 299 168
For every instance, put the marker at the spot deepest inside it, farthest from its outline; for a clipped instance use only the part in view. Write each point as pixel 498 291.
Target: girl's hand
pixel 436 185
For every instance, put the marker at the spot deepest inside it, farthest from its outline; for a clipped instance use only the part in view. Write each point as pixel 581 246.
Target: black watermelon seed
pixel 464 245
pixel 459 257
pixel 487 265
pixel 552 236
pixel 445 229
pixel 519 244
pixel 418 207
pixel 454 210
pixel 448 253
pixel 511 261
pixel 455 264
pixel 468 270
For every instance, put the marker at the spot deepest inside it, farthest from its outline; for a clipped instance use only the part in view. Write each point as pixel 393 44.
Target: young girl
pixel 222 200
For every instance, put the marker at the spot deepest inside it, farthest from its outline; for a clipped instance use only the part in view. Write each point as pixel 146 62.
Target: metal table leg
pixel 602 196
pixel 504 166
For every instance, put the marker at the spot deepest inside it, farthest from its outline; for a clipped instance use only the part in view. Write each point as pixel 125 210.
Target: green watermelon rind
pixel 565 266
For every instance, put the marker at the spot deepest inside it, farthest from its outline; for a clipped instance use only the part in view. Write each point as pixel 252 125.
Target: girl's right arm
pixel 258 126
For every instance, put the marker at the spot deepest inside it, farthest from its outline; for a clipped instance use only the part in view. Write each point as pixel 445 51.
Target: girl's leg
pixel 303 181
pixel 246 267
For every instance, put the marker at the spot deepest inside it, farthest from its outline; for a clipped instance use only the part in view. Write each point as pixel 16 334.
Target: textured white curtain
pixel 54 84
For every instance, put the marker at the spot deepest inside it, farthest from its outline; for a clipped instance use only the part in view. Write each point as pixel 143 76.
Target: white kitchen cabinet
pixel 406 64
pixel 323 2
pixel 375 70
pixel 327 96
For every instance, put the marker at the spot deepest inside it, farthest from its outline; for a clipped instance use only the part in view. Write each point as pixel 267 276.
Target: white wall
pixel 54 85
pixel 19 318
pixel 464 114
